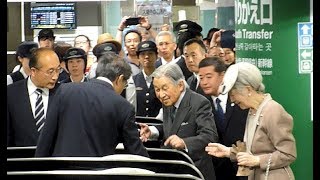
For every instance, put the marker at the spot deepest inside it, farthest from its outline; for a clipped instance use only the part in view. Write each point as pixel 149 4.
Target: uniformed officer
pixel 140 91
pixel 23 54
pixel 105 44
pixel 76 63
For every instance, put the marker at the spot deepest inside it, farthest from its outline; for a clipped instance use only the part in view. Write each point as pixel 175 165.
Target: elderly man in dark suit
pixel 230 119
pixel 188 122
pixel 29 99
pixel 91 118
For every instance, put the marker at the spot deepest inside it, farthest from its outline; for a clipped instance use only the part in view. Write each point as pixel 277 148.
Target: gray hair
pixel 111 66
pixel 171 71
pixel 249 75
pixel 166 33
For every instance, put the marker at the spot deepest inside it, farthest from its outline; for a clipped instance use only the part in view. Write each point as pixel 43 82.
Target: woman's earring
pixel 249 94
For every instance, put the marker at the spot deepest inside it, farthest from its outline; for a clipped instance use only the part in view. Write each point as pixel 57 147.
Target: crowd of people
pixel 68 103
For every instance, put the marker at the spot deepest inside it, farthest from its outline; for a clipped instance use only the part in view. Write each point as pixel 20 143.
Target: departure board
pixel 53 15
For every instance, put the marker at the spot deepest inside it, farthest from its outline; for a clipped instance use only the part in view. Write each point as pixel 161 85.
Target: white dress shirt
pixel 33 96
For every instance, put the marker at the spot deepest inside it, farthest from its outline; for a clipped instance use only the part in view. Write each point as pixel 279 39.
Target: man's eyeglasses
pixel 51 72
pixel 125 84
pixel 164 43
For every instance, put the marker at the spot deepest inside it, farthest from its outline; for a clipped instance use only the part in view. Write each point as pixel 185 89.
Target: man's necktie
pixel 193 84
pixel 39 110
pixel 219 112
pixel 173 113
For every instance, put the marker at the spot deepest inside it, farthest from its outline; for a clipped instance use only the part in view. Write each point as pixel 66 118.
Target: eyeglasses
pixel 164 43
pixel 125 84
pixel 51 72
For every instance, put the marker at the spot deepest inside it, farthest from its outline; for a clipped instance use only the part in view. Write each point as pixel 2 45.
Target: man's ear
pixel 181 85
pixel 118 80
pixel 20 59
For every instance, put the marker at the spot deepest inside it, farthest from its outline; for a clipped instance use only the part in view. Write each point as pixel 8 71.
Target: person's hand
pixel 218 150
pixel 246 159
pixel 216 38
pixel 122 24
pixel 145 132
pixel 144 22
pixel 175 142
pixel 165 27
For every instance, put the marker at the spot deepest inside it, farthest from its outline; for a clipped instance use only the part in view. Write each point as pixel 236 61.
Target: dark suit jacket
pixel 158 62
pixel 193 123
pixel 68 80
pixel 21 125
pixel 63 75
pixel 233 130
pixel 89 119
pixel 17 76
pixel 185 70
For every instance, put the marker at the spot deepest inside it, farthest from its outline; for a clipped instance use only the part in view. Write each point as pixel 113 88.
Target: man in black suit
pixel 188 122
pixel 185 30
pixel 231 123
pixel 23 120
pixel 194 51
pixel 91 118
pixel 166 45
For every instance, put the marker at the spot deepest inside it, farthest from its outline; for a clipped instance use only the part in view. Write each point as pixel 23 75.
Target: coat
pixel 89 119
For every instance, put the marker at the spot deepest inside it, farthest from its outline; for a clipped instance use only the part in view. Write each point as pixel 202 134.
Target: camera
pixel 133 21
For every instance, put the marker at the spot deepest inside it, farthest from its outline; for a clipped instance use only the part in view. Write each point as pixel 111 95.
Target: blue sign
pixel 305 35
pixel 305 46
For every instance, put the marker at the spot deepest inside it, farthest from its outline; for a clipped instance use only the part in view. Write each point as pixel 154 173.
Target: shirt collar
pixel 163 61
pixel 105 79
pixel 177 104
pixel 223 98
pixel 147 78
pixel 23 73
pixel 82 80
pixel 32 88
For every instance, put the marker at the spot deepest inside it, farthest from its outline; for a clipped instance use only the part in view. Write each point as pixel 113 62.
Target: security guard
pixel 186 30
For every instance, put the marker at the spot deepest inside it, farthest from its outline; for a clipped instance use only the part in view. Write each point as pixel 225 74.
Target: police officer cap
pixel 187 25
pixel 75 53
pixel 48 33
pixel 26 48
pixel 228 39
pixel 103 48
pixel 147 46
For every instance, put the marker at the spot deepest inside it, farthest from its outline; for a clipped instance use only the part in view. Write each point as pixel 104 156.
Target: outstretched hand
pixel 145 132
pixel 218 150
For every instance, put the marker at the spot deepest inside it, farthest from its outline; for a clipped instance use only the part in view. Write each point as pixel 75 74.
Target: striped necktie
pixel 39 110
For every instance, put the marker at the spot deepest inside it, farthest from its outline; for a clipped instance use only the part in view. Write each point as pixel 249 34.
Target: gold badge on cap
pixel 184 26
pixel 107 48
pixel 145 45
pixel 73 53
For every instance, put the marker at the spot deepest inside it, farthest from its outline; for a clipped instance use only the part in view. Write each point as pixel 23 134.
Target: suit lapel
pixel 229 111
pixel 25 102
pixel 181 113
